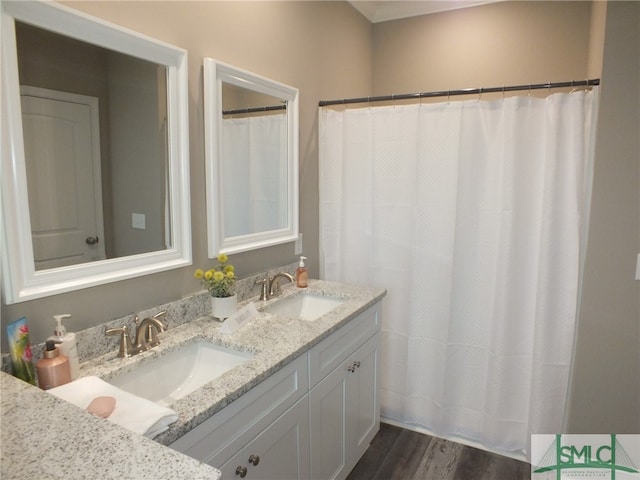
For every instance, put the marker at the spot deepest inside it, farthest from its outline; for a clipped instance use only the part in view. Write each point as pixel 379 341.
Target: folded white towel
pixel 132 412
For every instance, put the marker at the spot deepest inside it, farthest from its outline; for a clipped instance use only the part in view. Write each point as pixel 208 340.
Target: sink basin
pixel 172 376
pixel 304 306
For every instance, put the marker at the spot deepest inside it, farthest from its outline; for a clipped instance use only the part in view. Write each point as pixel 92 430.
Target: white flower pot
pixel 224 307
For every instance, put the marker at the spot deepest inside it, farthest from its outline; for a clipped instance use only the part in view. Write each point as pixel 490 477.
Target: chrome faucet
pixel 146 335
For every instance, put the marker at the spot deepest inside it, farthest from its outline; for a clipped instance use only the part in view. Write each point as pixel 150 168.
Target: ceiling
pixel 384 10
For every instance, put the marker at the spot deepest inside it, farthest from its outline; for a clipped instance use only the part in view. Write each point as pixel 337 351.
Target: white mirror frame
pixel 215 73
pixel 21 282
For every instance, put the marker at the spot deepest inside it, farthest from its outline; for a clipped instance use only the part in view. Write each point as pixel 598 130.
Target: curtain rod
pixel 465 91
pixel 254 109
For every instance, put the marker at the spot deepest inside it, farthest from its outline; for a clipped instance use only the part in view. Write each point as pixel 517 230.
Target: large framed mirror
pixel 95 165
pixel 251 148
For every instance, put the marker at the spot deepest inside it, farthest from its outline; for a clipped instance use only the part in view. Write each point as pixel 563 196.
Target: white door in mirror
pixel 65 194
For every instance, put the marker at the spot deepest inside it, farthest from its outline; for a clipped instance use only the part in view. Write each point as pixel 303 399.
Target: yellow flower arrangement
pixel 218 280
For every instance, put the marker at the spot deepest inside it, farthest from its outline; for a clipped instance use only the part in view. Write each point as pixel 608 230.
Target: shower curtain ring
pixel 573 87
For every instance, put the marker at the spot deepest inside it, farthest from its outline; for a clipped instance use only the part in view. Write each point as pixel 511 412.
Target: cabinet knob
pixel 242 471
pixel 352 368
pixel 254 459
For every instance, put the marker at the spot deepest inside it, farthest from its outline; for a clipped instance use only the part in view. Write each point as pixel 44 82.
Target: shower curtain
pixel 472 215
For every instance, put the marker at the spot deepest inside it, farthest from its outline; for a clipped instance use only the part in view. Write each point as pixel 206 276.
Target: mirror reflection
pixel 95 136
pixel 106 121
pixel 253 162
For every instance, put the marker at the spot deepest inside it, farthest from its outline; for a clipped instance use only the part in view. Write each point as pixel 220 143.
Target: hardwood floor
pixel 399 454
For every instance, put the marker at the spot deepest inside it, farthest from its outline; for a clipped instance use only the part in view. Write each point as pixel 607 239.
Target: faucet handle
pixel 161 317
pixel 125 340
pixel 264 289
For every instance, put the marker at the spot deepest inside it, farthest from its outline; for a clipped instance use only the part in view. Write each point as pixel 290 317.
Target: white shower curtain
pixel 472 215
pixel 254 157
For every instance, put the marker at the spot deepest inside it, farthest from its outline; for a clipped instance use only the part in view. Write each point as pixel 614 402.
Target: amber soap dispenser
pixel 302 276
pixel 53 369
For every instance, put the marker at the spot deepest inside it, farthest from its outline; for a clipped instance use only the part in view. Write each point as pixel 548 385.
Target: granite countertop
pixel 45 437
pixel 66 442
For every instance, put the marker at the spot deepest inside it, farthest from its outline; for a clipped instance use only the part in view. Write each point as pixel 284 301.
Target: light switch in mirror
pixel 251 145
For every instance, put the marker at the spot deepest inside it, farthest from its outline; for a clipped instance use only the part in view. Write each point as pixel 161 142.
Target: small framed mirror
pixel 251 148
pixel 95 165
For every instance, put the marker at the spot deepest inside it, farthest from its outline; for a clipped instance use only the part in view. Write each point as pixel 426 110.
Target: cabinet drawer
pixel 329 353
pixel 222 435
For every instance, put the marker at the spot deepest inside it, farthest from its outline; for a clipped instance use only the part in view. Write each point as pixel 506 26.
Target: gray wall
pixel 505 43
pixel 606 387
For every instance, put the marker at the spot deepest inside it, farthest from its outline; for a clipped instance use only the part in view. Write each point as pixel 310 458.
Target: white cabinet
pixel 280 452
pixel 314 418
pixel 344 413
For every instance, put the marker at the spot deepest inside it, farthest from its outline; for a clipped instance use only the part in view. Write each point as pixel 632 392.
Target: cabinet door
pixel 280 452
pixel 363 411
pixel 344 414
pixel 328 411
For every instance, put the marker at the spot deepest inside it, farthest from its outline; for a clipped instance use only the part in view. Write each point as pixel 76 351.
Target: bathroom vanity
pixel 316 415
pixel 303 405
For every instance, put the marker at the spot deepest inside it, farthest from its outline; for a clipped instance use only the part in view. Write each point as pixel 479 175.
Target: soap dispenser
pixel 53 368
pixel 302 276
pixel 66 343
